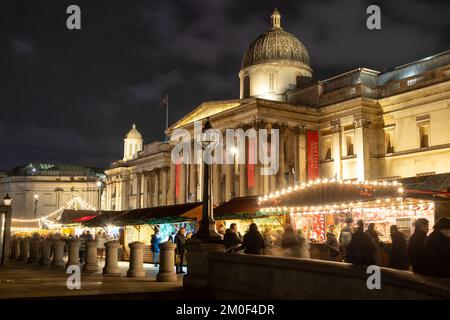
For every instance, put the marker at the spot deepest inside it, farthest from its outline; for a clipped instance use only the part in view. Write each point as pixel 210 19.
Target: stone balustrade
pixel 111 259
pixel 58 254
pixel 239 276
pixel 167 262
pixel 91 257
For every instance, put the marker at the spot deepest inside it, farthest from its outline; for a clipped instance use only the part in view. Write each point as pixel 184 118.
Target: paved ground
pixel 20 280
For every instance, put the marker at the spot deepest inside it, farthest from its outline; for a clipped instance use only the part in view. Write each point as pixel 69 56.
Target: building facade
pixel 359 125
pixel 39 189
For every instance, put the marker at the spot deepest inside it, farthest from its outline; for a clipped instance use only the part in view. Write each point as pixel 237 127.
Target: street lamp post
pixel 36 200
pixel 207 231
pixel 5 228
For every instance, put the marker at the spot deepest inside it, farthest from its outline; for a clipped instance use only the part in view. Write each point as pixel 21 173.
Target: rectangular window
pixel 327 150
pixel 424 135
pixel 271 82
pixel 389 141
pixel 350 148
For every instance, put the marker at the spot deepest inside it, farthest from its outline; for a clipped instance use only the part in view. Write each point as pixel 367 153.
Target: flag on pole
pixel 164 102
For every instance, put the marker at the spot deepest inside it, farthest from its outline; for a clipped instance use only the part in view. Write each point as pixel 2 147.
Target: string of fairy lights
pixel 284 191
pixel 385 207
pixel 75 203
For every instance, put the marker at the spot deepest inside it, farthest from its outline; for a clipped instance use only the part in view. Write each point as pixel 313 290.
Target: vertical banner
pixel 312 144
pixel 251 163
pixel 177 178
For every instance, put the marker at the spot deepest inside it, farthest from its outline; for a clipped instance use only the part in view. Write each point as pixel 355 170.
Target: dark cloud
pixel 70 96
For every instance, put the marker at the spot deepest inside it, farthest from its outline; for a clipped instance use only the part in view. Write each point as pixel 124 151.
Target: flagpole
pixel 167 115
pixel 167 111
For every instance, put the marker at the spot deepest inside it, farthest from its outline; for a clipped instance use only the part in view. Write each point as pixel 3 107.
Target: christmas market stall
pixel 244 210
pixel 140 224
pixel 313 207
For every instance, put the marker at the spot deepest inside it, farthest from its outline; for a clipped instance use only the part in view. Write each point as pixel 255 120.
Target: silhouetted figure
pixel 332 244
pixel 155 241
pixel 374 236
pixel 399 250
pixel 180 241
pixel 253 242
pixel 437 249
pixel 361 249
pixel 416 246
pixel 232 238
pixel 345 237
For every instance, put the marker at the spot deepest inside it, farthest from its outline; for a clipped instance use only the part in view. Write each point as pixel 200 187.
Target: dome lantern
pixel 132 143
pixel 276 19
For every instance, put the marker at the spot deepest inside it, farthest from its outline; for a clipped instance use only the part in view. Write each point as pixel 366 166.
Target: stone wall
pixel 238 276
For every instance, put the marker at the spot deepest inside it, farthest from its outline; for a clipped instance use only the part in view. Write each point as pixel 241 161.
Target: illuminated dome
pixel 276 45
pixel 274 63
pixel 133 133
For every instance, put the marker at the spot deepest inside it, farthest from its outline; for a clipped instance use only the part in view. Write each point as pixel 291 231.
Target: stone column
pixel 197 262
pixel 46 247
pixel 74 253
pixel 156 188
pixel 136 269
pixel 182 197
pixel 164 185
pixel 216 173
pixel 34 250
pixel 171 195
pixel 111 259
pixel 229 193
pixel 58 254
pixel 193 179
pixel 167 262
pixel 281 181
pixel 15 249
pixel 336 147
pixel 24 249
pixel 361 148
pixel 242 180
pixel 91 256
pixel 138 190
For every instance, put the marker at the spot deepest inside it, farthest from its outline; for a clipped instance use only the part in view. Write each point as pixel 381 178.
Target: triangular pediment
pixel 208 109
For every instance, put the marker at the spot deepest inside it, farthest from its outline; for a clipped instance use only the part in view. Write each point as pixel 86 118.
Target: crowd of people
pixel 428 255
pixel 424 254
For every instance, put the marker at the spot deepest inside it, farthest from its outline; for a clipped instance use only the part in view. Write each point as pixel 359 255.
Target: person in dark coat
pixel 232 238
pixel 253 241
pixel 399 250
pixel 332 244
pixel 437 249
pixel 180 241
pixel 361 249
pixel 416 246
pixel 155 241
pixel 374 236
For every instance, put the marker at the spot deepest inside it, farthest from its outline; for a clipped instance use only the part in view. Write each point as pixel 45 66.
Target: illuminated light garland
pixel 393 209
pixel 75 204
pixel 302 186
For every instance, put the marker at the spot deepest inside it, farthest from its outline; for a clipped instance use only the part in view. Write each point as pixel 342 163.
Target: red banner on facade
pixel 177 179
pixel 312 143
pixel 251 164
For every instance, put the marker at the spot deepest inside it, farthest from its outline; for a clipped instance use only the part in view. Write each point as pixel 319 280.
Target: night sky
pixel 71 96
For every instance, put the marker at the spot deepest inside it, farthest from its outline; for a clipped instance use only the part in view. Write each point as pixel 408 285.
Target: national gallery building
pixel 360 125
